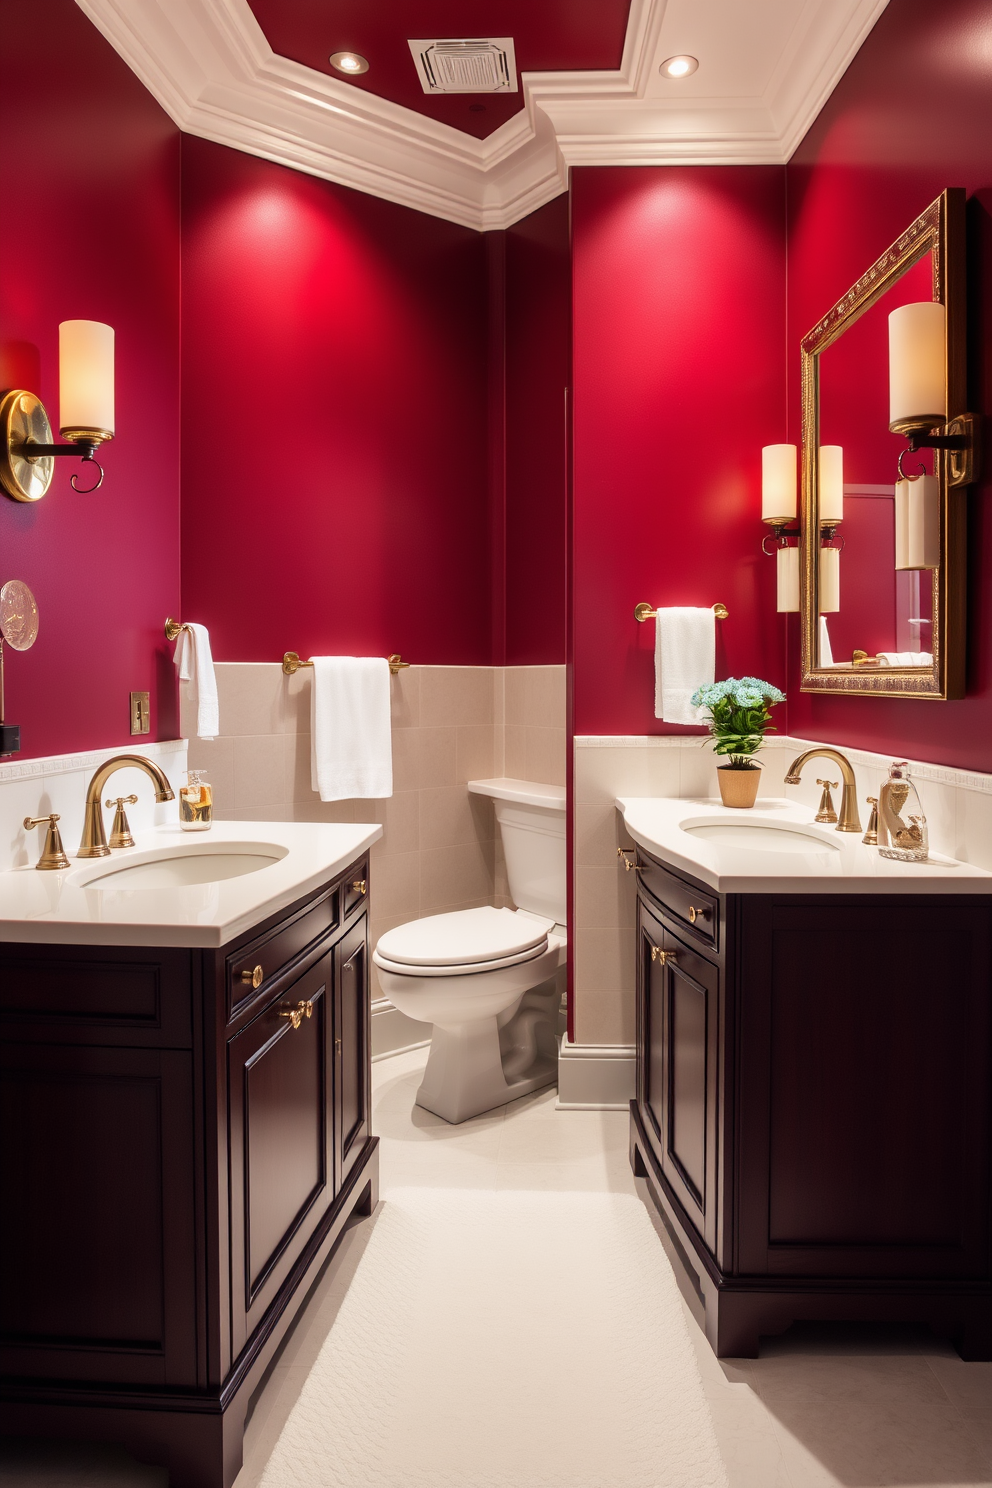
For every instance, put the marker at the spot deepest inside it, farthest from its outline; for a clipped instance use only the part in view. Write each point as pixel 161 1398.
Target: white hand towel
pixel 196 668
pixel 826 652
pixel 684 659
pixel 351 747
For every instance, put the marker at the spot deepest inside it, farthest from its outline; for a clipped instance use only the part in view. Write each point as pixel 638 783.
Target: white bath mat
pixel 504 1340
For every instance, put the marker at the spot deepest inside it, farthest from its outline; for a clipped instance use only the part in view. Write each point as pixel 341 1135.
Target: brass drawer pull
pixel 337 1046
pixel 628 861
pixel 664 958
pixel 297 1014
pixel 253 978
pixel 360 885
pixel 698 914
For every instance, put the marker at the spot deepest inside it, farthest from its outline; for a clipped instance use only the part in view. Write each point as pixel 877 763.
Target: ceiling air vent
pixel 479 65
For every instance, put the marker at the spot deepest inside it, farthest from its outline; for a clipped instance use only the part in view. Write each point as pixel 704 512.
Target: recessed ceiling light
pixel 348 62
pixel 678 67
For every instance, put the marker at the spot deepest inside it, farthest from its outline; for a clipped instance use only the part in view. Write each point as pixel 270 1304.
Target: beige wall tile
pixel 395 884
pixel 453 695
pixel 603 774
pixel 475 753
pixel 604 985
pixel 437 751
pixel 545 755
pixel 404 696
pixel 535 696
pixel 216 758
pixel 263 769
pixel 400 818
pixel 974 827
pixel 605 897
pixel 515 751
pixel 317 810
pixel 599 831
pixel 455 875
pixel 406 759
pixel 451 817
pixel 258 698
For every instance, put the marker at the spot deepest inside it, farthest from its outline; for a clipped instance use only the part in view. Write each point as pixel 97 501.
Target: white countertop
pixel 58 909
pixel 843 865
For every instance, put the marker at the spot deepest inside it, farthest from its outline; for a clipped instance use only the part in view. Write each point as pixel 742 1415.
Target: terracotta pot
pixel 738 787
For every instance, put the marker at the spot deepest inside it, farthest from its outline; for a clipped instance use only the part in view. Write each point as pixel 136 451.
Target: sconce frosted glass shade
pixel 787 576
pixel 831 483
pixel 829 580
pixel 918 523
pixel 778 483
pixel 86 377
pixel 917 388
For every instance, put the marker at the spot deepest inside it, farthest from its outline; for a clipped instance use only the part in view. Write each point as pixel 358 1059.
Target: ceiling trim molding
pixel 209 65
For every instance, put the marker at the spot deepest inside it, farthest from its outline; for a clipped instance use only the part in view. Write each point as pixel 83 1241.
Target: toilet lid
pixel 464 937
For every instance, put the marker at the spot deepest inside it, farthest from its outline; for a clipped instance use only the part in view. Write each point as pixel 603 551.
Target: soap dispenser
pixel 196 803
pixel 902 825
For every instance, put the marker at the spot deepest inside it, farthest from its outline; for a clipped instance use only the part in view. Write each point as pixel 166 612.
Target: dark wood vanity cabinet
pixel 186 1134
pixel 814 1105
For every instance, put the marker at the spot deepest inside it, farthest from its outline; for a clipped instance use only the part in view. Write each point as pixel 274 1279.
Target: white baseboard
pixel 394 1033
pixel 595 1077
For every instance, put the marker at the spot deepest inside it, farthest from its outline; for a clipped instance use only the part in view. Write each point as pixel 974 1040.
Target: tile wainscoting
pixel 439 850
pixel 958 806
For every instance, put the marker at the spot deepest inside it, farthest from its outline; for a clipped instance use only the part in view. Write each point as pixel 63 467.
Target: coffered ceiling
pixel 255 77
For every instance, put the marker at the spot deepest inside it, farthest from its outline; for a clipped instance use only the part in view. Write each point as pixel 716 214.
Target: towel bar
pixel 291 663
pixel 645 612
pixel 173 627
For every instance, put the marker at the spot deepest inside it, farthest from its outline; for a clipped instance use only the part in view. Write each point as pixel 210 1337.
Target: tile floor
pixel 821 1408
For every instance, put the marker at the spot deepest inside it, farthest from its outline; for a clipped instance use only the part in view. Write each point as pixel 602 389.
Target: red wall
pixel 911 116
pixel 92 231
pixel 538 337
pixel 679 379
pixel 334 419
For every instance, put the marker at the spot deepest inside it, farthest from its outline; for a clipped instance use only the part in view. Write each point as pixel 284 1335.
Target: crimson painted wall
pixel 679 379
pixel 334 419
pixel 91 231
pixel 912 115
pixel 538 347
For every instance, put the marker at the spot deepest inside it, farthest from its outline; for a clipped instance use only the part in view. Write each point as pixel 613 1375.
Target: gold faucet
pixel 94 840
pixel 849 819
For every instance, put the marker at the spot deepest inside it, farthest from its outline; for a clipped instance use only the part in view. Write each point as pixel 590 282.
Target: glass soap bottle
pixel 196 803
pixel 902 827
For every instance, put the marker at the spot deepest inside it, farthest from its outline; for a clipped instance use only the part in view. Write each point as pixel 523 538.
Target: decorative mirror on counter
pixel 887 450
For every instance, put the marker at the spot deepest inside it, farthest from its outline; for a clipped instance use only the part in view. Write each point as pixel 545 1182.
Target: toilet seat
pixel 462 941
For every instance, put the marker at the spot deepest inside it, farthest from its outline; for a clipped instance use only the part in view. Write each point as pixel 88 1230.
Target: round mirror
pixel 18 615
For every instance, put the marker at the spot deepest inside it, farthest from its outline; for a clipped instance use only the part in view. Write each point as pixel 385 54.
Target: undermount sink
pixel 759 836
pixel 177 867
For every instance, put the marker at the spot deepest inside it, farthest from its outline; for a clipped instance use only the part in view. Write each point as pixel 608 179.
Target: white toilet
pixel 490 979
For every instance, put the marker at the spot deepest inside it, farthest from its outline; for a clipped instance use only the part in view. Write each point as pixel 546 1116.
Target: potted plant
pixel 739 718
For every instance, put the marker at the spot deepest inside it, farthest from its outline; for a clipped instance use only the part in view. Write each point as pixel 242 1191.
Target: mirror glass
pixel 882 547
pixel 883 616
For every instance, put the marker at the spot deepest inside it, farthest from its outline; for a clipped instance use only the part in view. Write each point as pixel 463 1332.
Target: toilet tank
pixel 531 819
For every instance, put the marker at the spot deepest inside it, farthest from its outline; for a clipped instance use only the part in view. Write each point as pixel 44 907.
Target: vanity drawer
pixel 698 910
pixel 254 965
pixel 356 887
pixel 110 995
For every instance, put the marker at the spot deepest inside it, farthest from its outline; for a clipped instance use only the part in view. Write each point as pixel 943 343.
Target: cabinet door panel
pixel 96 1185
pixel 352 1048
pixel 687 1085
pixel 282 1141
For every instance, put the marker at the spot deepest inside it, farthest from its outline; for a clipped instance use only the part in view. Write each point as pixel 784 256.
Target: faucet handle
pixel 120 833
pixel 53 854
pixel 826 812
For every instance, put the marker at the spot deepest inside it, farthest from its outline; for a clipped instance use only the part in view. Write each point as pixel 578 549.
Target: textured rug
pixel 504 1340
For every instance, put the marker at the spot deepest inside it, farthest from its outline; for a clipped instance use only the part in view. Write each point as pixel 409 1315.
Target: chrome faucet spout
pixel 93 843
pixel 848 820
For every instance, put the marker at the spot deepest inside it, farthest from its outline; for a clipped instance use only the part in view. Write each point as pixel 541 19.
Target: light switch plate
pixel 141 713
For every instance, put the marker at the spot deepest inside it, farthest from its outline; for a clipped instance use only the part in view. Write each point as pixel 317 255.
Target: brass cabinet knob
pixel 297 1014
pixel 360 885
pixel 626 857
pixel 337 1046
pixel 695 914
pixel 254 978
pixel 664 958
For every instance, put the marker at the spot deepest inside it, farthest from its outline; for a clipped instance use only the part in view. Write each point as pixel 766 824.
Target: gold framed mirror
pixel 883 517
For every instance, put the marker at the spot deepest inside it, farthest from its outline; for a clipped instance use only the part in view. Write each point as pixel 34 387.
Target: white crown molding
pixel 209 65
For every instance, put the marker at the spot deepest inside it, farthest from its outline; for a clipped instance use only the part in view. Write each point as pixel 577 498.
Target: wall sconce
pixel 829 599
pixel 778 509
pixel 918 389
pixel 917 521
pixel 86 409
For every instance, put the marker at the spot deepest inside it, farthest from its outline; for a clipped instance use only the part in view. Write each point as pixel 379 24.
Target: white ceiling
pixel 766 67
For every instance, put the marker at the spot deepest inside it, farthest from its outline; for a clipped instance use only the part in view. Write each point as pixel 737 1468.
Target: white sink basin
pixel 759 836
pixel 175 867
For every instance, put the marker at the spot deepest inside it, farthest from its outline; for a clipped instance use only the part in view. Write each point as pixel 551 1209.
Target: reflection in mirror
pixel 882 547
